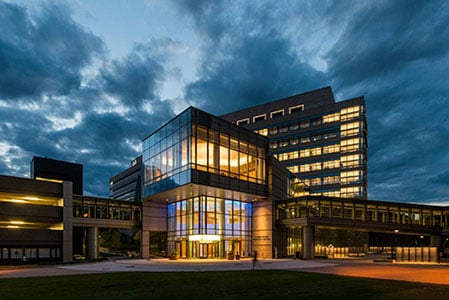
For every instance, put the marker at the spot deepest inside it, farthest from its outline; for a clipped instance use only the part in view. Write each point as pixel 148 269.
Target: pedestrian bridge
pixel 398 219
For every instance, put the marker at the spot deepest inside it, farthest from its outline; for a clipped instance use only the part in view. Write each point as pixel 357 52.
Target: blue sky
pixel 85 81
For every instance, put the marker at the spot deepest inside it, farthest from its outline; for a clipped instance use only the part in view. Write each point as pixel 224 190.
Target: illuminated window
pixel 350 113
pixel 331 149
pixel 331 164
pixel 335 117
pixel 305 140
pixel 263 131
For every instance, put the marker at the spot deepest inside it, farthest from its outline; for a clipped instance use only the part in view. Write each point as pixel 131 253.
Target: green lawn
pixel 215 285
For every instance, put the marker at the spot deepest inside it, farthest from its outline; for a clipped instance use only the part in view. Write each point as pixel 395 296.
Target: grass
pixel 215 285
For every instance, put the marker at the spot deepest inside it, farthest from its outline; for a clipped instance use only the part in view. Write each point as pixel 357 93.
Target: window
pixel 277 113
pixel 294 126
pixel 296 108
pixel 305 140
pixel 273 130
pixel 243 122
pixel 283 143
pixel 283 129
pixel 349 113
pixel 305 124
pixel 259 118
pixel 331 149
pixel 316 122
pixel 263 131
pixel 329 135
pixel 331 164
pixel 331 118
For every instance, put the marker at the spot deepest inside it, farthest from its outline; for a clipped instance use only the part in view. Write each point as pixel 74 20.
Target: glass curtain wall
pixel 206 227
pixel 174 149
pixel 219 153
pixel 166 156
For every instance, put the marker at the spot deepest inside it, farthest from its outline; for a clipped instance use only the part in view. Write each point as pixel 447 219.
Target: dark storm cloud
pixel 386 36
pixel 42 53
pixel 246 61
pixel 255 70
pixel 47 112
pixel 137 77
pixel 396 53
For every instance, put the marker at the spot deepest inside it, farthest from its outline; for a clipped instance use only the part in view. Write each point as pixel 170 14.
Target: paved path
pixel 358 267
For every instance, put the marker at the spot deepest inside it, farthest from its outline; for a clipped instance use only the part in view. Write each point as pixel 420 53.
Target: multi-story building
pixel 205 188
pixel 210 188
pixel 322 142
pixel 127 184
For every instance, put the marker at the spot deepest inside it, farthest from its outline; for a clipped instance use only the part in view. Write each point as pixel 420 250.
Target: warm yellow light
pixel 17 222
pixel 204 237
pixel 17 201
pixel 13 226
pixel 48 179
pixel 58 226
pixel 31 198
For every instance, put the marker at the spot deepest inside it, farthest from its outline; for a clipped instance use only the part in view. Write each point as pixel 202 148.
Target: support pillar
pixel 67 221
pixel 92 243
pixel 145 244
pixel 435 241
pixel 308 242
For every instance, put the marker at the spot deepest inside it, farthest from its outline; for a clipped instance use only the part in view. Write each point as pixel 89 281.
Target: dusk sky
pixel 85 81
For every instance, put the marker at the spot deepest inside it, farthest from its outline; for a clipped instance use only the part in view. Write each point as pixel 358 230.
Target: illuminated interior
pixel 207 227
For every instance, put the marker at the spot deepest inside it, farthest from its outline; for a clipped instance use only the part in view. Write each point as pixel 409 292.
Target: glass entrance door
pixel 206 250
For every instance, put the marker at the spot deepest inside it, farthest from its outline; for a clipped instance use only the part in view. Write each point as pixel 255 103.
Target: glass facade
pixel 183 144
pixel 220 153
pixel 205 226
pixel 166 156
pixel 204 151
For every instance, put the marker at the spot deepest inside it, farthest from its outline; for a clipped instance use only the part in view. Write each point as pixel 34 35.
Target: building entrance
pixel 206 250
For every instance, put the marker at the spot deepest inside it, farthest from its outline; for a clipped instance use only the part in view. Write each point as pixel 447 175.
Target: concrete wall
pixel 67 233
pixel 154 218
pixel 263 229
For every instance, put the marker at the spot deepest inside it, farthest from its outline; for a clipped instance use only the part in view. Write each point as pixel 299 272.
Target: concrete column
pixel 145 244
pixel 435 241
pixel 67 221
pixel 92 243
pixel 308 242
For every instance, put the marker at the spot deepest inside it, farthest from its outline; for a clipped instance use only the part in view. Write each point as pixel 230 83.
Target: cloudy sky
pixel 85 81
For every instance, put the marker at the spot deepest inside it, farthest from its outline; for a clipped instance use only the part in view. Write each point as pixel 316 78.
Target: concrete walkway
pixel 427 273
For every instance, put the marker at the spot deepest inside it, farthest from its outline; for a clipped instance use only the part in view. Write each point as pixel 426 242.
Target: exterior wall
pixel 127 184
pixel 47 168
pixel 278 186
pixel 67 234
pixel 154 219
pixel 262 234
pixel 32 220
pixel 323 143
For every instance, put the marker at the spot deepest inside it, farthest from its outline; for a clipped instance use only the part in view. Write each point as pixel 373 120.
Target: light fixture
pixel 17 222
